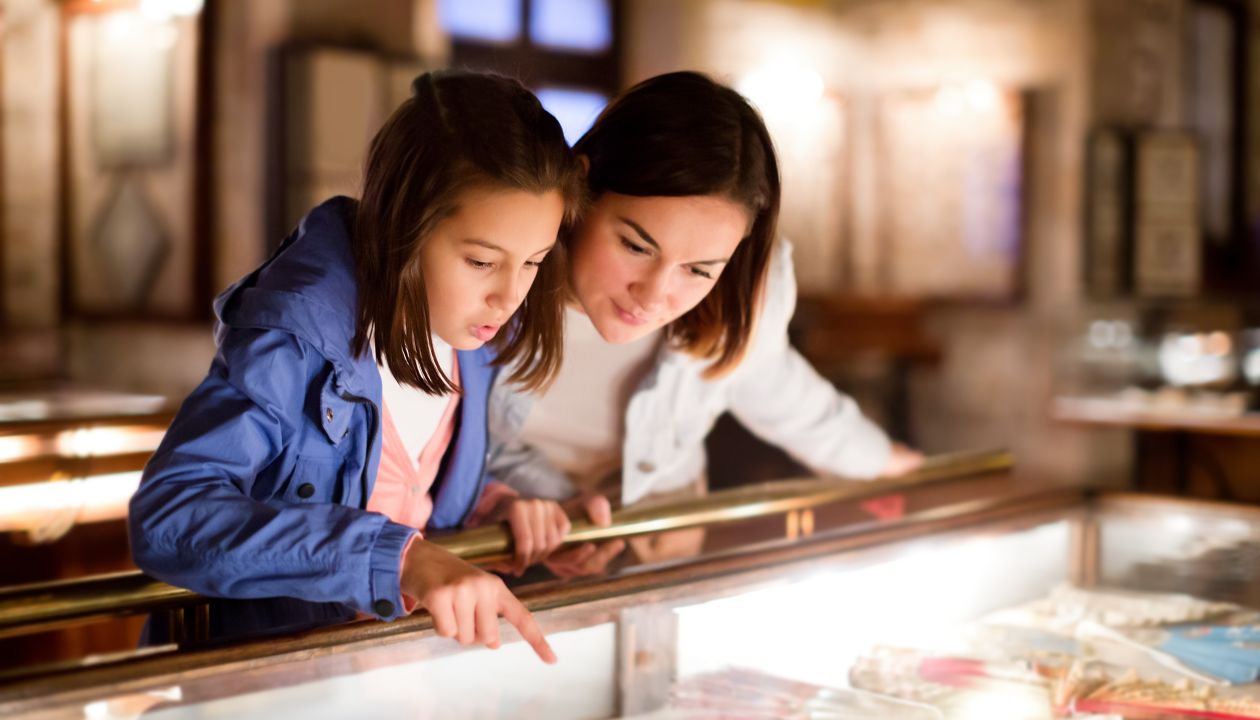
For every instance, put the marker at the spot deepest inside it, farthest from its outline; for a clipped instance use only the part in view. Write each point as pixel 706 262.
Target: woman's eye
pixel 701 272
pixel 533 264
pixel 477 264
pixel 632 247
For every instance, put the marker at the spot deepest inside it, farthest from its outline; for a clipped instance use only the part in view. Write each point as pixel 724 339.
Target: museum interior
pixel 1025 243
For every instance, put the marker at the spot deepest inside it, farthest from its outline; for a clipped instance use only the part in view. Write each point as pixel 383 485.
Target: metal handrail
pixel 28 609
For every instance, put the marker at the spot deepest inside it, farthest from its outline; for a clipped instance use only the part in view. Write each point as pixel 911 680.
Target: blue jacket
pixel 259 488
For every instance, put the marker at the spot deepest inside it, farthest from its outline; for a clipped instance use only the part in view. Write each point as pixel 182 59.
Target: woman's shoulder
pixel 777 302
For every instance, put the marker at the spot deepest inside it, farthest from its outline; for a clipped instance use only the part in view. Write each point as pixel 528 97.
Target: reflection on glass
pixel 491 20
pixel 571 24
pixel 575 109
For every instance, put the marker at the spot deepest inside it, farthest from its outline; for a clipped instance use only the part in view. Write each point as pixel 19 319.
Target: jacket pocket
pixel 314 480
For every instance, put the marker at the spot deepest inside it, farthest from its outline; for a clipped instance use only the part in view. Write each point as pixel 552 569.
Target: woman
pixel 680 297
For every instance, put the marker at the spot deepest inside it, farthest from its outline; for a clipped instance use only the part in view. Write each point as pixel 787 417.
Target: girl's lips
pixel 628 318
pixel 484 332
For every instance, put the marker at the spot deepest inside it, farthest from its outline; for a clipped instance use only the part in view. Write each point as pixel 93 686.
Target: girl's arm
pixel 195 523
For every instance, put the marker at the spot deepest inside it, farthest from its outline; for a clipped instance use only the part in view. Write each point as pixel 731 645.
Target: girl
pixel 360 346
pixel 680 303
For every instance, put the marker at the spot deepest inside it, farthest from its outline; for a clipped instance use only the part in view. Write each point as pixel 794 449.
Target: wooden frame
pixel 158 190
pixel 534 65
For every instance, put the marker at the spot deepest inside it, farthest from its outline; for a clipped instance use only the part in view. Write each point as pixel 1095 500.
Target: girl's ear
pixel 585 161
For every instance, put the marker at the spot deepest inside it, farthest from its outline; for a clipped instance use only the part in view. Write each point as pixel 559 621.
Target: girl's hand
pixel 588 558
pixel 466 602
pixel 538 528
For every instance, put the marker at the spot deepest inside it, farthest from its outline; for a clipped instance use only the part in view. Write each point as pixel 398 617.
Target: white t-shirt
pixel 415 413
pixel 579 423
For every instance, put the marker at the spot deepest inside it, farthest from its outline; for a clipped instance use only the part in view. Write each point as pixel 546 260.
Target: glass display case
pixel 926 616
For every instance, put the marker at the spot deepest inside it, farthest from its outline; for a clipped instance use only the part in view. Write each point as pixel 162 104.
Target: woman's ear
pixel 585 161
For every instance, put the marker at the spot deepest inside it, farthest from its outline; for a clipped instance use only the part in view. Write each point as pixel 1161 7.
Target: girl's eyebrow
pixel 483 243
pixel 491 246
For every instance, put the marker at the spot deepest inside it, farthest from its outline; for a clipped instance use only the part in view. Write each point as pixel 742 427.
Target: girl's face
pixel 639 263
pixel 478 263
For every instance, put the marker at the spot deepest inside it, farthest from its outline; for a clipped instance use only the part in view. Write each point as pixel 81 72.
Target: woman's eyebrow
pixel 651 241
pixel 639 229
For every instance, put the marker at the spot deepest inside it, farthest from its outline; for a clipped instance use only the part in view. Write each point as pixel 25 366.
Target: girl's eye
pixel 477 264
pixel 533 264
pixel 632 247
pixel 701 272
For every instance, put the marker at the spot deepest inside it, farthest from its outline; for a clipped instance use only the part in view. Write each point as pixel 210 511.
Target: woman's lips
pixel 628 318
pixel 484 332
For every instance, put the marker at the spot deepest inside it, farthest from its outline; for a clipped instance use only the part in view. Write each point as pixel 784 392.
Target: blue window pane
pixel 491 20
pixel 571 24
pixel 575 109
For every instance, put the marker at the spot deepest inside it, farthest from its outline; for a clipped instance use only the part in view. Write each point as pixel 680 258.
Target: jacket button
pixel 384 608
pixel 645 467
pixel 306 490
pixel 328 415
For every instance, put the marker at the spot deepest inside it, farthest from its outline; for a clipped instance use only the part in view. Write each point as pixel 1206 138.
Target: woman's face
pixel 639 263
pixel 478 263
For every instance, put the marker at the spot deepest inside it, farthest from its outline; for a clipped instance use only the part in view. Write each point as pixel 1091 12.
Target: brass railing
pixel 29 609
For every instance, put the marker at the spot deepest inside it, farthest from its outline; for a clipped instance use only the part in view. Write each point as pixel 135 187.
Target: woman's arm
pixel 779 396
pixel 194 522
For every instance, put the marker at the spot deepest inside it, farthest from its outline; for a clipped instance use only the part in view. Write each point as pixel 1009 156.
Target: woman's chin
pixel 616 332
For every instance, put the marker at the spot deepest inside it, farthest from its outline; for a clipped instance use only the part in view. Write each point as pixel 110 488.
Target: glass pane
pixel 575 109
pixel 491 20
pixel 571 24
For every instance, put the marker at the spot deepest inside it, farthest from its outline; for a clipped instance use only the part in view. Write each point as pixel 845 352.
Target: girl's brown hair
pixel 682 134
pixel 459 130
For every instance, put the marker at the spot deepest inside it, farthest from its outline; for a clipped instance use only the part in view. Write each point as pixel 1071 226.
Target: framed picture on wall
pixel 950 189
pixel 135 227
pixel 1167 246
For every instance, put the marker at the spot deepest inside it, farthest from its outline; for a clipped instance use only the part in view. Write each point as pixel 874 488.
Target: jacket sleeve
pixel 779 396
pixel 194 522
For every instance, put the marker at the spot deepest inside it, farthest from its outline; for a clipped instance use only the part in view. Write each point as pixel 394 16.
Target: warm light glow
pixel 17 447
pixel 782 86
pixel 94 499
pixel 977 96
pixel 1251 366
pixel 1196 358
pixel 163 10
pixel 89 442
pixel 982 96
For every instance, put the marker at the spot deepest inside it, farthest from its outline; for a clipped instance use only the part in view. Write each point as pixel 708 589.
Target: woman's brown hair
pixel 682 134
pixel 458 131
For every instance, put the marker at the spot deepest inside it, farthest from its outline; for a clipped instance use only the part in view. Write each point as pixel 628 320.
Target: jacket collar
pixel 308 289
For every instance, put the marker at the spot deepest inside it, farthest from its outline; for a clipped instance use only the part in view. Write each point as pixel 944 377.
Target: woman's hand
pixel 588 558
pixel 538 527
pixel 466 602
pixel 901 461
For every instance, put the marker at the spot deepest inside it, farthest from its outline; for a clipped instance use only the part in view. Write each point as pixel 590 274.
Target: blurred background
pixel 1017 223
